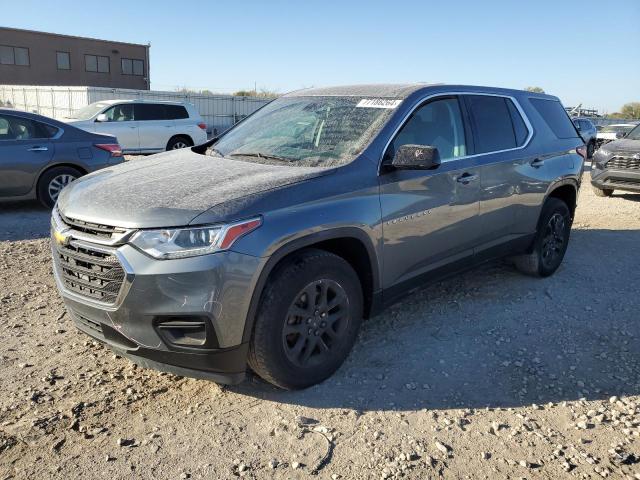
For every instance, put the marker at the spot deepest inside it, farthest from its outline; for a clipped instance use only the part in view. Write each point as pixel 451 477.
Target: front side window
pixel 438 124
pixel 17 128
pixel 306 131
pixel 120 113
pixel 96 63
pixel 63 61
pixel 14 55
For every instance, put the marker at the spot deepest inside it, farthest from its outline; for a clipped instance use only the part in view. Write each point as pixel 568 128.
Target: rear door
pixel 430 217
pixel 156 127
pixel 25 149
pixel 500 134
pixel 121 123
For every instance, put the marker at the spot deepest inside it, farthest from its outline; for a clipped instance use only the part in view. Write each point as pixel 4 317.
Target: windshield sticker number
pixel 378 103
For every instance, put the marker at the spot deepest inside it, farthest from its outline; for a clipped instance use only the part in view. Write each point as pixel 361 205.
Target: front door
pixel 121 123
pixel 25 149
pixel 430 217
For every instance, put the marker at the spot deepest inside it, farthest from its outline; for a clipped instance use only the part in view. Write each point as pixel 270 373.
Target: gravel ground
pixel 487 375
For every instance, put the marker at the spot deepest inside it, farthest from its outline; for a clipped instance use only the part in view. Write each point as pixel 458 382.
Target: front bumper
pixel 615 179
pixel 163 302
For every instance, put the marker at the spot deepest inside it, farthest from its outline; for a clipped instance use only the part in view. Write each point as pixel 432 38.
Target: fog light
pixel 186 331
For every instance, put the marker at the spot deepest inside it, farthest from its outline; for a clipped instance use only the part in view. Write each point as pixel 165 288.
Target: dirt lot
pixel 488 375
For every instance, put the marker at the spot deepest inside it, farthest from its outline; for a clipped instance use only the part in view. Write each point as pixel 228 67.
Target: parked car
pixel 616 165
pixel 610 133
pixel 39 156
pixel 143 126
pixel 588 132
pixel 270 244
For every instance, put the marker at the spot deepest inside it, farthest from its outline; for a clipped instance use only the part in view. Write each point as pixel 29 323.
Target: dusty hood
pixel 623 145
pixel 170 189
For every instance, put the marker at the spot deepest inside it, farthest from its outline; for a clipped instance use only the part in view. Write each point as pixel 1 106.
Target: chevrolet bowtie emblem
pixel 60 238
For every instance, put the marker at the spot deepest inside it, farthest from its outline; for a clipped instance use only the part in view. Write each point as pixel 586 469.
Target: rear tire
pixel 178 142
pixel 602 192
pixel 53 181
pixel 307 322
pixel 550 243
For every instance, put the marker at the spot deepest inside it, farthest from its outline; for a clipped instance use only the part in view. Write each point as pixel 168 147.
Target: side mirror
pixel 620 134
pixel 416 157
pixel 101 118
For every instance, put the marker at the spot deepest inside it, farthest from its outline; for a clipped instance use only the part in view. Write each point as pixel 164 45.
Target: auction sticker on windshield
pixel 378 103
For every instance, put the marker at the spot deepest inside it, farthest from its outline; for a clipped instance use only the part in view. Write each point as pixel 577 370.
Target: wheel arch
pixel 567 191
pixel 50 167
pixel 349 243
pixel 179 135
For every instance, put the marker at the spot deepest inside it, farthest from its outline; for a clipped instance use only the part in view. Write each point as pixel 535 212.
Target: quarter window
pixel 437 124
pixel 63 61
pixel 555 116
pixel 96 63
pixel 14 56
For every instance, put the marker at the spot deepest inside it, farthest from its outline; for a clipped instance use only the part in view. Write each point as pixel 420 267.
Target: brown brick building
pixel 38 58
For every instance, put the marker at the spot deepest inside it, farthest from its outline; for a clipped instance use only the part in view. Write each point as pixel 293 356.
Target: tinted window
pixel 95 63
pixel 62 60
pixel 120 113
pixel 176 112
pixel 16 128
pixel 14 55
pixel 149 111
pixel 555 116
pixel 519 127
pixel 494 129
pixel 438 124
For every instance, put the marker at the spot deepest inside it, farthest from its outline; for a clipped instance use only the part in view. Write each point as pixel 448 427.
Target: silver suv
pixel 269 245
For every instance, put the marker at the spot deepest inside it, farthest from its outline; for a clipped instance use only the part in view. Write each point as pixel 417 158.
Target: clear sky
pixel 584 51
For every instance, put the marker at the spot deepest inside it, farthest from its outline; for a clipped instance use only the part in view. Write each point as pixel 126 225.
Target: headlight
pixel 169 243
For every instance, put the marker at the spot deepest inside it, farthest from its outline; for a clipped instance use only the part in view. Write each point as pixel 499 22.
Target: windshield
pixel 634 134
pixel 88 112
pixel 617 128
pixel 306 131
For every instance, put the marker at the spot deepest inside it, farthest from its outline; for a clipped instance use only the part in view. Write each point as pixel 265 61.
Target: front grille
pixel 89 229
pixel 624 163
pixel 90 273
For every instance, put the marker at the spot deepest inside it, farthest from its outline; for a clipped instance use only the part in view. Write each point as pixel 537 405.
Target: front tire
pixel 550 243
pixel 602 192
pixel 307 322
pixel 53 181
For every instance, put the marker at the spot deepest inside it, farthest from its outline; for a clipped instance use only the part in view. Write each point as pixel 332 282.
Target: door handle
pixel 537 162
pixel 37 149
pixel 466 178
pixel 133 127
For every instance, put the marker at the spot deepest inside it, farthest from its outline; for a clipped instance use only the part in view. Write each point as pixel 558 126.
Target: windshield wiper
pixel 266 156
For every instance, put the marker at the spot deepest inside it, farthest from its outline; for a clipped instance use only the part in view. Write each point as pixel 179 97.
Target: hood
pixel 623 145
pixel 170 189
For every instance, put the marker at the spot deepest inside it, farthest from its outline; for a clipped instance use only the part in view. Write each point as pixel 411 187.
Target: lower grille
pixel 616 181
pixel 90 273
pixel 91 325
pixel 624 163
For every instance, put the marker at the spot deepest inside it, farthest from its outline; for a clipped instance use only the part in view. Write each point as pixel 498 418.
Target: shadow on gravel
pixel 23 221
pixel 634 197
pixel 495 338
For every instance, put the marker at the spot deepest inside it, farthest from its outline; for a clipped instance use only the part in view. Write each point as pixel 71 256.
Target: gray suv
pixel 268 245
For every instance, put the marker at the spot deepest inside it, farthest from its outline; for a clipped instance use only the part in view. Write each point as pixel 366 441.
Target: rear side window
pixel 17 128
pixel 149 111
pixel 493 126
pixel 519 128
pixel 554 115
pixel 176 112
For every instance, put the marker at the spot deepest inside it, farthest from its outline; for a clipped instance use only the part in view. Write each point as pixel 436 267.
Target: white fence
pixel 218 111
